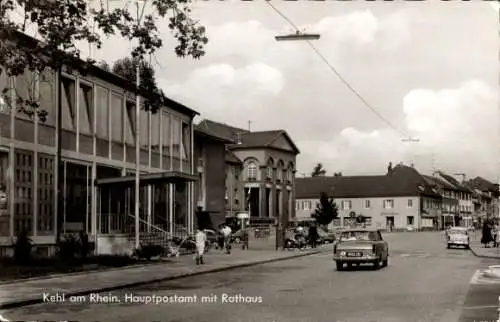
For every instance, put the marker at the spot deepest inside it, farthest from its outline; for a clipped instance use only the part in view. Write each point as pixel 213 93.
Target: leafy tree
pixel 326 211
pixel 126 68
pixel 61 24
pixel 318 170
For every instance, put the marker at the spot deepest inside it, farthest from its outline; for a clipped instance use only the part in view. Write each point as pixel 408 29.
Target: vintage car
pixel 360 246
pixel 457 236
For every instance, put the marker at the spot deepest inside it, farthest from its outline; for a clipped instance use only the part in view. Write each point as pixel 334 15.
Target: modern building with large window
pixel 98 138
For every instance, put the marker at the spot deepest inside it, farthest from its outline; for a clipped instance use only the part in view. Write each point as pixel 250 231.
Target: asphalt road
pixel 423 282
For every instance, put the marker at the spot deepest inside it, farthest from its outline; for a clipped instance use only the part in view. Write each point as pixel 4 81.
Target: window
pixel 186 135
pixel 297 205
pixel 130 124
pixel 4 98
pixel 346 204
pixel 102 112
pixel 176 137
pixel 389 204
pixel 290 175
pixel 46 90
pixel 279 174
pixel 252 171
pixel 144 129
pixel 410 203
pixel 306 205
pixel 269 172
pixel 4 194
pixel 410 220
pixel 155 131
pixel 117 118
pixel 26 89
pixel 367 204
pixel 85 110
pixel 68 104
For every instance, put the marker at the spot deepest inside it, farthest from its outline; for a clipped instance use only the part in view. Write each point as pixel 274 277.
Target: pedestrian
pixel 226 231
pixel 200 239
pixel 494 232
pixel 220 237
pixel 486 238
pixel 313 235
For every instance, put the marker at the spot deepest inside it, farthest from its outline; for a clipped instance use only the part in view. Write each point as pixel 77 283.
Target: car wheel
pixel 376 264
pixel 340 266
pixel 385 262
pixel 449 246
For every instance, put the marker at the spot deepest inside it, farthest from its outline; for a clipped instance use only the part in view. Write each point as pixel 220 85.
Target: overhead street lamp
pixel 297 36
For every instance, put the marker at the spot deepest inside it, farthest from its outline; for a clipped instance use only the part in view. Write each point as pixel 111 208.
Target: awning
pixel 149 178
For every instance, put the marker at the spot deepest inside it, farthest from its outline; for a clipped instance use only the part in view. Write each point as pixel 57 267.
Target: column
pixel 270 202
pixel 12 160
pixel 149 206
pixel 262 200
pixel 171 203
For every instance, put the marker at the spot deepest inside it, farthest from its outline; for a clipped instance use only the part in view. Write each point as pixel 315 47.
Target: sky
pixel 429 68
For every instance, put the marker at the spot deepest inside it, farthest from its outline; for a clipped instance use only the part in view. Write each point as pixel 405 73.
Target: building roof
pixel 457 184
pixel 231 158
pixel 483 185
pixel 401 181
pixel 242 139
pixel 26 40
pixel 439 182
pixel 201 131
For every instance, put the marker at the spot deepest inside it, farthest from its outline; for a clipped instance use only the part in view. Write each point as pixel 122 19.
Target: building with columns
pixel 86 149
pixel 260 172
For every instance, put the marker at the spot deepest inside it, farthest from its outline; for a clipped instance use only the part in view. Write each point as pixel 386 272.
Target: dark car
pixel 361 246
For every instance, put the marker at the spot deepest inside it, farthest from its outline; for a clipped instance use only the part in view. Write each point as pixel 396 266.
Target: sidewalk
pixel 21 293
pixel 479 250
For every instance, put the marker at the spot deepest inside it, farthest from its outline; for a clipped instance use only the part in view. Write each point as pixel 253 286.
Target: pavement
pixel 423 282
pixel 479 250
pixel 36 290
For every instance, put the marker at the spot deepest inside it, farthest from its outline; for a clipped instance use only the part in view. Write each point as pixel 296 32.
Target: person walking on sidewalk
pixel 201 240
pixel 494 232
pixel 226 232
pixel 313 235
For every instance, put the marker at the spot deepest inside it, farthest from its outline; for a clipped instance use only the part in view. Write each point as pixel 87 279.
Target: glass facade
pixel 93 116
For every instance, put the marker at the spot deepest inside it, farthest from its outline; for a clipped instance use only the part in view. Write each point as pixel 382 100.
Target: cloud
pixel 339 34
pixel 222 88
pixel 452 124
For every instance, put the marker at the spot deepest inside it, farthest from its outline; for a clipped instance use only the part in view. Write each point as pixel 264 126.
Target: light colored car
pixel 457 236
pixel 361 246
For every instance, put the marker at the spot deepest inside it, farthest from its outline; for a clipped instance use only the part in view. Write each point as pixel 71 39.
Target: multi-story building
pixel 449 200
pixel 486 196
pixel 465 204
pixel 266 183
pixel 210 161
pixel 94 132
pixel 401 198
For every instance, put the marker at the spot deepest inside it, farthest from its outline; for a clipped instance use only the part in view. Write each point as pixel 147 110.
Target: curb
pixel 484 256
pixel 97 270
pixel 38 300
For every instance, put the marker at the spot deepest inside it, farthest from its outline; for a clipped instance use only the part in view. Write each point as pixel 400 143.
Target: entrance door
pixel 389 221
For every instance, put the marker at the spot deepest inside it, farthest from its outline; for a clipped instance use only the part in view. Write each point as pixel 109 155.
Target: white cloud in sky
pixel 222 87
pixel 458 125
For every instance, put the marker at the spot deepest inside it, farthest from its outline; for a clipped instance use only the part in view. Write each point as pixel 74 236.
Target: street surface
pixel 423 282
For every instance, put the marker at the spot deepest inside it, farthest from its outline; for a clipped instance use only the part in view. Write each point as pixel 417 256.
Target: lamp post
pixel 297 36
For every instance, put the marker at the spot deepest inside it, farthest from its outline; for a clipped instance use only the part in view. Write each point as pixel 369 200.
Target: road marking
pixel 479 279
pixel 2 319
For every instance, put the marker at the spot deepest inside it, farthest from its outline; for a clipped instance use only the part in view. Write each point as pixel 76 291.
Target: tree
pixel 318 170
pixel 126 68
pixel 61 24
pixel 326 211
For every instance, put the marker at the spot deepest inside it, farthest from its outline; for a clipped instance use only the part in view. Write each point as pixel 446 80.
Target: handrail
pixel 150 225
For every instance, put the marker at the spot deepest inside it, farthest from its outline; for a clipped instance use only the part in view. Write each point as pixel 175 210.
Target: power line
pixel 334 70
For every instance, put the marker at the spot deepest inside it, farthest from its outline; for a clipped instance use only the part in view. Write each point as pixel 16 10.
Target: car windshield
pixel 358 235
pixel 458 232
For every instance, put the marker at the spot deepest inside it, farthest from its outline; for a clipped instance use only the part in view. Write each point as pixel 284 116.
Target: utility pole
pixel 249 126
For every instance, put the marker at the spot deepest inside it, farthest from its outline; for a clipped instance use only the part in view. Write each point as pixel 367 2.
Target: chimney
pixel 389 168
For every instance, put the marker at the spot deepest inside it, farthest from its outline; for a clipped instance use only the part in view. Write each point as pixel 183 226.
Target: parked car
pixel 237 236
pixel 457 236
pixel 326 236
pixel 361 246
